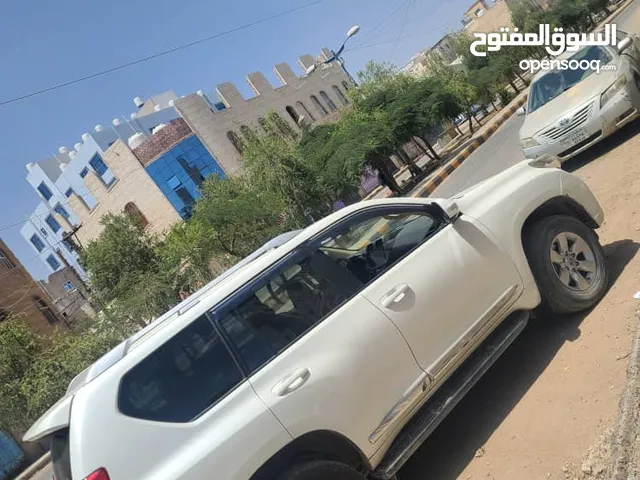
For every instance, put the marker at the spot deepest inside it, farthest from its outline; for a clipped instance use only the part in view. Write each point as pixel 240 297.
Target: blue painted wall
pixel 11 456
pixel 179 185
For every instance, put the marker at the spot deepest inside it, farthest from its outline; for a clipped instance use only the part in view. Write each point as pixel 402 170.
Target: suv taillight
pixel 100 474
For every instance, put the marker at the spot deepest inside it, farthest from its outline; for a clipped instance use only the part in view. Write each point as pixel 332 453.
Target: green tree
pixel 274 164
pixel 239 217
pixel 19 346
pixel 121 253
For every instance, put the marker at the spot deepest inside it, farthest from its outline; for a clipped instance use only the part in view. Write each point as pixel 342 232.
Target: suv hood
pixel 578 95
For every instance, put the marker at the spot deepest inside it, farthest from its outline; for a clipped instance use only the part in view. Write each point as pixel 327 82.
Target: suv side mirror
pixel 625 43
pixel 449 208
pixel 522 111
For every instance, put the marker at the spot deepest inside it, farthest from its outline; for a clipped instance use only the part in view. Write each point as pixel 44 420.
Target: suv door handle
pixel 395 295
pixel 292 382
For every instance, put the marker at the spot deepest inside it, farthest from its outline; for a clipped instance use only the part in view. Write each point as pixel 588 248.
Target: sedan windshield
pixel 554 83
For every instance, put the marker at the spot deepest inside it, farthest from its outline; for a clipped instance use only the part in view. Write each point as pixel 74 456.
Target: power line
pixel 386 20
pixel 162 53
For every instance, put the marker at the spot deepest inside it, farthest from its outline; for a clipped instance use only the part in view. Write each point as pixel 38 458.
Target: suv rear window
pixel 181 379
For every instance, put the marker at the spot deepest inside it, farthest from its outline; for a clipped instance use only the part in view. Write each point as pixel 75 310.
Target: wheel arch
pixel 316 445
pixel 560 205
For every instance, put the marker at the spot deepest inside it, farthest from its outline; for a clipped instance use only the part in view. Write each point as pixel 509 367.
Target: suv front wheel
pixel 567 262
pixel 321 470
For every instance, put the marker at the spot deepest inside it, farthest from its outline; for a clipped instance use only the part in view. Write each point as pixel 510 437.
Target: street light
pixel 337 54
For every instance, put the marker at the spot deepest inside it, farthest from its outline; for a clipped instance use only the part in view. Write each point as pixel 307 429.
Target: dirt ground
pixel 549 406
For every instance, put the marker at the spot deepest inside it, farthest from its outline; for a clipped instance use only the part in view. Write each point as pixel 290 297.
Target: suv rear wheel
pixel 567 262
pixel 321 470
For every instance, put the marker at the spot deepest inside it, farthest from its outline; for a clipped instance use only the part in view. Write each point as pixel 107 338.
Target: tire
pixel 322 470
pixel 571 275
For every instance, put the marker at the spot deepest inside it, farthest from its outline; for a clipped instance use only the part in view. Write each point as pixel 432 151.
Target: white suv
pixel 334 355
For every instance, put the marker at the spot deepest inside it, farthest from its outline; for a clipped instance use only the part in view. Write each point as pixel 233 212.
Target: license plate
pixel 574 137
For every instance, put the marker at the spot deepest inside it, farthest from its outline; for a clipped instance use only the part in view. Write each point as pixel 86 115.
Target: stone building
pixel 312 98
pixel 153 164
pixel 21 295
pixel 69 295
pixel 443 51
pixel 487 16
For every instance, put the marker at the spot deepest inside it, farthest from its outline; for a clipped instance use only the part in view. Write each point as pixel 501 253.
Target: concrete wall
pixel 497 16
pixel 132 184
pixel 18 292
pixel 214 127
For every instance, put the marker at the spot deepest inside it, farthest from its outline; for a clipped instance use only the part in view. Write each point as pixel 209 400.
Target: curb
pixel 432 183
pixel 36 466
pixel 623 441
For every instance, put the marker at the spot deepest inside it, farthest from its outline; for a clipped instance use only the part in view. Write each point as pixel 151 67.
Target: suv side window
pixel 182 378
pixel 284 306
pixel 370 246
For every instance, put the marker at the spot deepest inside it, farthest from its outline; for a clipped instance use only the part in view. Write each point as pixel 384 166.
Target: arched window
pixel 302 108
pixel 340 95
pixel 316 103
pixel 132 210
pixel 42 306
pixel 346 85
pixel 329 102
pixel 293 114
pixel 283 127
pixel 235 141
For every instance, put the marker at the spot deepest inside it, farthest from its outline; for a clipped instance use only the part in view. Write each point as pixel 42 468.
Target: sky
pixel 44 43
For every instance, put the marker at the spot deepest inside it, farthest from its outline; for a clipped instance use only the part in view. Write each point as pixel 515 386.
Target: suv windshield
pixel 554 83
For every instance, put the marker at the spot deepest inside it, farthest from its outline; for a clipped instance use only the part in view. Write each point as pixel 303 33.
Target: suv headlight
pixel 528 142
pixel 612 89
pixel 546 161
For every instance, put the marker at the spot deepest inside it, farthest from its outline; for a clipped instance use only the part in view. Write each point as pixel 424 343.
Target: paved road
pixel 44 474
pixel 502 150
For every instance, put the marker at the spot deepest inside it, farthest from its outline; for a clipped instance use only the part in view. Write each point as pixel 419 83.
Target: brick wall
pixel 162 141
pixel 18 292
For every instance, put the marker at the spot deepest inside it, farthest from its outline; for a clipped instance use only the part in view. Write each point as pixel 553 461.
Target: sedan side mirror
pixel 625 43
pixel 521 112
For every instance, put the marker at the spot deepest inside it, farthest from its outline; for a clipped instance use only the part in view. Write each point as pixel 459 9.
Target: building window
pixel 235 141
pixel 303 108
pixel 283 127
pixel 44 191
pixel 6 261
pixel 98 165
pixel 44 232
pixel 3 314
pixel 340 95
pixel 37 242
pixel 69 286
pixel 62 211
pixel 293 114
pixel 194 174
pixel 329 102
pixel 220 106
pixel 53 262
pixel 133 211
pixel 84 172
pixel 346 85
pixel 45 310
pixel 319 107
pixel 53 223
pixel 68 193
